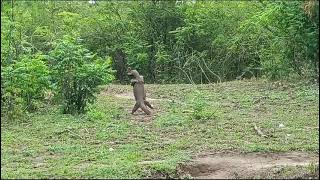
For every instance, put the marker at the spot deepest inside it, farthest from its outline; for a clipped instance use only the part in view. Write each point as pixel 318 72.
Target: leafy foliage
pixel 25 81
pixel 167 41
pixel 76 74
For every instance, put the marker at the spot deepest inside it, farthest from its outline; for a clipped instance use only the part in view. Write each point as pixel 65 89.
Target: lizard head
pixel 133 73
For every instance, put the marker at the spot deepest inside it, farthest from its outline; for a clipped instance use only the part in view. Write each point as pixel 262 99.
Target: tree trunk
pixel 152 62
pixel 120 65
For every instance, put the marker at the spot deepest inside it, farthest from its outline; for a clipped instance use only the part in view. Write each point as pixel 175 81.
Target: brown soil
pixel 41 161
pixel 237 165
pixel 129 95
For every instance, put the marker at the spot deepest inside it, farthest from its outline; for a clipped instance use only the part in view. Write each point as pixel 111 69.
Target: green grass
pixel 310 171
pixel 108 143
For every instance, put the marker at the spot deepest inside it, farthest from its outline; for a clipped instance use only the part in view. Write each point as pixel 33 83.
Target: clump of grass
pixel 201 109
pixel 310 171
pixel 94 114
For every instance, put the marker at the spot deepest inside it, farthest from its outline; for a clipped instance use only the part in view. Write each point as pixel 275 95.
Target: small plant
pixel 313 170
pixel 93 113
pixel 76 74
pixel 200 106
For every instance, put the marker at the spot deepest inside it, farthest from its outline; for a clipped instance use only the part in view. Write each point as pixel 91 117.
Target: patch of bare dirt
pixel 41 160
pixel 237 165
pixel 129 95
pixel 140 117
pixel 82 166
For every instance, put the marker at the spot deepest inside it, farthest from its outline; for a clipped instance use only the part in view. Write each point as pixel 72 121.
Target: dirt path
pixel 129 95
pixel 235 165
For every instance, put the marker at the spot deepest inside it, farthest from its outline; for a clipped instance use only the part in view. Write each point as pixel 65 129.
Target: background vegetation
pixel 167 41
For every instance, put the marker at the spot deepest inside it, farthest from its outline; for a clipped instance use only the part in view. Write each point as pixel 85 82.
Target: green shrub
pixel 24 83
pixel 76 74
pixel 200 107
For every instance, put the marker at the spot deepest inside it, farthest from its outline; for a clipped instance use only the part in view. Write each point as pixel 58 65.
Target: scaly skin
pixel 139 92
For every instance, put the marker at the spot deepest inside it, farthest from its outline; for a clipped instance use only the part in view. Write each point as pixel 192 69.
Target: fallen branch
pixel 212 71
pixel 259 131
pixel 74 133
pixel 190 79
pixel 86 130
pixel 187 111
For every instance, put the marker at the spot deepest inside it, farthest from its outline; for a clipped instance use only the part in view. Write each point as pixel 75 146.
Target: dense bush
pixel 76 73
pixel 24 82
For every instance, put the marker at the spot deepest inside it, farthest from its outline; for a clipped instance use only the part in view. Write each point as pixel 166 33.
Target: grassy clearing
pixel 108 142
